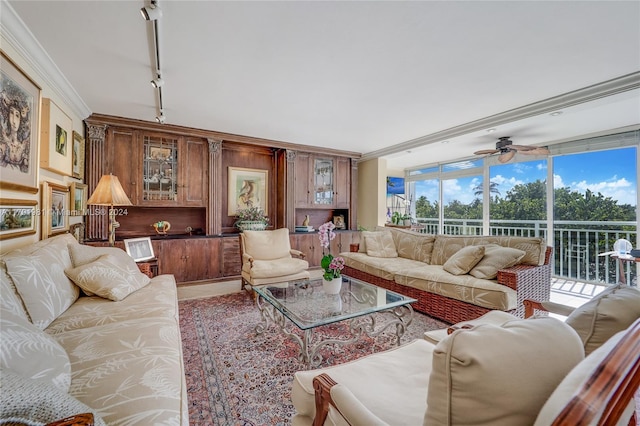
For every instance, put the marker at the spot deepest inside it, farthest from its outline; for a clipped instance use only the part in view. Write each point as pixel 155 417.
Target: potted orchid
pixel 332 266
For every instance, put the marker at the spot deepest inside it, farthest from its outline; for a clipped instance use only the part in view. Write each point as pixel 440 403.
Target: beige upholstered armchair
pixel 267 257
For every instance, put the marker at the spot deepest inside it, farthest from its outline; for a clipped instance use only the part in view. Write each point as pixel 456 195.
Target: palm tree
pixel 493 189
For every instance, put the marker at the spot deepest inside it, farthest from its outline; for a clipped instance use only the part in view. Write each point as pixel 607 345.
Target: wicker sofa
pixel 116 354
pixel 418 265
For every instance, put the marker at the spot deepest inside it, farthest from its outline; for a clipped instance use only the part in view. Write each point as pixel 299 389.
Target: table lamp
pixel 109 192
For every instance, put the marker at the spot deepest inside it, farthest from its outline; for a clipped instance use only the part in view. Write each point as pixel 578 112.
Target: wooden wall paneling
pixel 353 202
pixel 96 224
pixel 138 222
pixel 123 160
pixel 290 195
pixel 250 157
pixel 281 189
pixel 195 184
pixel 231 261
pixel 216 194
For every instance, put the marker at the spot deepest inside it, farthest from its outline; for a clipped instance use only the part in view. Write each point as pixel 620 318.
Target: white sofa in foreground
pixel 117 353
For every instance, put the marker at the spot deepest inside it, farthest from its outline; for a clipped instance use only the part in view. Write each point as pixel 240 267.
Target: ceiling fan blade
pixel 505 157
pixel 537 151
pixel 522 147
pixel 486 151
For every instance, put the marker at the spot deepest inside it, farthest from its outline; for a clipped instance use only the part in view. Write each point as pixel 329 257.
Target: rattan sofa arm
pixel 322 385
pixel 298 253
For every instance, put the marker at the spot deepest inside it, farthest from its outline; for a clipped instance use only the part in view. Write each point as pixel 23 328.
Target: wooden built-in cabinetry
pixel 180 175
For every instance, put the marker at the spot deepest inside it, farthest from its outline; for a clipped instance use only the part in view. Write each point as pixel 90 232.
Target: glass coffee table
pixel 307 306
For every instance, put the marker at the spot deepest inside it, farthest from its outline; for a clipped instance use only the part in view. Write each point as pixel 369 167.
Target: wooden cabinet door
pixel 303 180
pixel 171 260
pixel 193 259
pixel 342 185
pixel 194 155
pixel 123 160
pixel 309 244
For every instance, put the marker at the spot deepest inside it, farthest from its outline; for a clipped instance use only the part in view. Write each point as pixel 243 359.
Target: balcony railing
pixel 576 244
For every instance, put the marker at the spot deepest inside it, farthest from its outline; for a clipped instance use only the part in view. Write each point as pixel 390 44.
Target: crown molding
pixel 20 38
pixel 587 94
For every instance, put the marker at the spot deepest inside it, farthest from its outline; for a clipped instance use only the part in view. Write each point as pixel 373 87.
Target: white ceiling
pixel 378 78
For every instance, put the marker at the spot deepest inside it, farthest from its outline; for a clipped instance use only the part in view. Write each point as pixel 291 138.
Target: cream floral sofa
pixel 116 353
pixel 454 278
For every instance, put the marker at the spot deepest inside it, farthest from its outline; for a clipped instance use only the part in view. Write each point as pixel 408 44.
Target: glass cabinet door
pixel 323 181
pixel 160 169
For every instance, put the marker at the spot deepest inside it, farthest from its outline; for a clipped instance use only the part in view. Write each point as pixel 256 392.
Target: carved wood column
pixel 353 216
pixel 95 161
pixel 290 190
pixel 216 192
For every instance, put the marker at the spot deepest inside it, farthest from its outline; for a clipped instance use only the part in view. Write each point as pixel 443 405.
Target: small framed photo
pixel 17 218
pixel 338 221
pixel 55 154
pixel 78 199
pixel 160 154
pixel 77 159
pixel 139 248
pixel 55 213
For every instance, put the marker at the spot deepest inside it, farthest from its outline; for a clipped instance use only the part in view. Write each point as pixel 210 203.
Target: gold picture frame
pixel 77 156
pixel 17 218
pixel 55 213
pixel 19 153
pixel 78 199
pixel 55 134
pixel 247 188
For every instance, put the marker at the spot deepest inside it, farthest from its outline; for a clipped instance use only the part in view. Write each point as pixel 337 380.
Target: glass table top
pixel 306 304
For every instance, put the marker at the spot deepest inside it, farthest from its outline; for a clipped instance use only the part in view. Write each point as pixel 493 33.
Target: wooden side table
pixel 149 267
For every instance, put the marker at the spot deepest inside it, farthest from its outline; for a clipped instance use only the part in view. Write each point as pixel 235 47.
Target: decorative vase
pixel 252 225
pixel 333 286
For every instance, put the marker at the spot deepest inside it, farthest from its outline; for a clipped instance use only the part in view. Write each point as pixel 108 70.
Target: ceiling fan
pixel 508 150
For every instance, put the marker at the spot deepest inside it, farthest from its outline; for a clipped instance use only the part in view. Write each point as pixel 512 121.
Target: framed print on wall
pixel 247 188
pixel 78 199
pixel 17 218
pixel 19 114
pixel 77 156
pixel 55 215
pixel 55 135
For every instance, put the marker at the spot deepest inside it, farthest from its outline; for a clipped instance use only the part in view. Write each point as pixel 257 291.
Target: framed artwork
pixel 19 115
pixel 338 221
pixel 55 217
pixel 17 218
pixel 55 153
pixel 139 248
pixel 77 156
pixel 247 188
pixel 78 199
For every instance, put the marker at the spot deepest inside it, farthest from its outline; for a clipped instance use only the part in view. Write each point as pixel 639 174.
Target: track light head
pixel 157 82
pixel 161 118
pixel 151 13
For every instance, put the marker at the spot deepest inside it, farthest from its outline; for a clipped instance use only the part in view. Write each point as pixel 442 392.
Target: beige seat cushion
pixel 391 384
pixel 267 245
pixel 463 260
pixel 108 278
pixel 275 268
pixel 611 311
pixel 499 375
pixel 495 258
pixel 491 317
pixel 381 245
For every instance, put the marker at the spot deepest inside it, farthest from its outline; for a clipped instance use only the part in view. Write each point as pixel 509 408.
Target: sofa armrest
pixel 557 308
pixel 328 392
pixel 84 419
pixel 529 282
pixel 298 253
pixel 247 258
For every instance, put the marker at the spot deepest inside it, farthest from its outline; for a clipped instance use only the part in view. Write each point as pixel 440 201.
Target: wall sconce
pixel 109 192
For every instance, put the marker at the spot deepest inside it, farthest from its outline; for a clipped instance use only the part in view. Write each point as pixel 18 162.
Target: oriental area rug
pixel 237 377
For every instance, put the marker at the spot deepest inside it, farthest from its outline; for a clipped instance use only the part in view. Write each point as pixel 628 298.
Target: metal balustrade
pixel 577 244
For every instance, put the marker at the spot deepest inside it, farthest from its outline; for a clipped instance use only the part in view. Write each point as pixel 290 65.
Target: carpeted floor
pixel 237 377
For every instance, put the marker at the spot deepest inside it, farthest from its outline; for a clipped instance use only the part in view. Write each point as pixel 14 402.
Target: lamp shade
pixel 109 192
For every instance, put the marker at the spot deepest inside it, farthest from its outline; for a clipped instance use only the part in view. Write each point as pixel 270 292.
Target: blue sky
pixel 612 173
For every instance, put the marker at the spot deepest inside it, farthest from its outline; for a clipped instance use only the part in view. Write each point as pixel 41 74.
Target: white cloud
pixel 542 166
pixel 558 182
pixel 618 189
